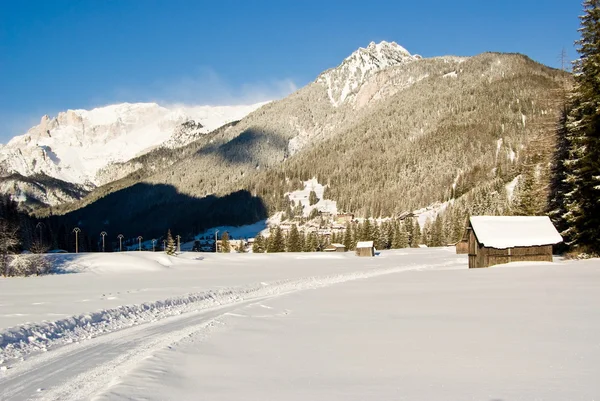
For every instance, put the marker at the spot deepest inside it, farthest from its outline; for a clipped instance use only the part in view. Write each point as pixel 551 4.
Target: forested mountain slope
pixel 407 132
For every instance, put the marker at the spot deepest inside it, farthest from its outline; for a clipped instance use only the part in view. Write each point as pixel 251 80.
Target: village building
pixel 344 218
pixel 335 248
pixel 494 240
pixel 365 248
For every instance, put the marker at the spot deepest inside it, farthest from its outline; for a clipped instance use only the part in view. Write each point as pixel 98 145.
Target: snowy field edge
pixel 23 340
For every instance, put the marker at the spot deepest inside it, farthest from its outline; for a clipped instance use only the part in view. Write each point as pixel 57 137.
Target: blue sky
pixel 56 55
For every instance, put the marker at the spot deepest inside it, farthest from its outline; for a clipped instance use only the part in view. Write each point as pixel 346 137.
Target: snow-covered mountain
pixel 77 144
pixel 343 81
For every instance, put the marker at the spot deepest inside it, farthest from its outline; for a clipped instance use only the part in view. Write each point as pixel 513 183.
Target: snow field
pixel 524 331
pixel 32 337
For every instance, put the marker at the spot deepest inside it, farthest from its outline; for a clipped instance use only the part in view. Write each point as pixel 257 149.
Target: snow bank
pixel 18 342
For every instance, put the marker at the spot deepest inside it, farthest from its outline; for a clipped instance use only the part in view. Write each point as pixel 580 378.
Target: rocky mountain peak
pixel 343 81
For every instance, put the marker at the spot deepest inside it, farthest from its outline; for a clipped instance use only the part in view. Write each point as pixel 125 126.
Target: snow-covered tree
pixel 171 248
pixel 582 202
pixel 312 198
pixel 293 240
pixel 225 245
pixel 259 244
pixel 276 241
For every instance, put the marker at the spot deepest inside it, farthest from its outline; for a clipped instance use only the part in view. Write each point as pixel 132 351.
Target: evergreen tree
pixel 293 240
pixel 276 241
pixel 400 239
pixel 225 245
pixel 526 201
pixel 348 237
pixel 170 249
pixel 259 244
pixel 436 232
pixel 312 198
pixel 410 229
pixel 416 235
pixel 559 188
pixel 582 202
pixel 311 242
pixel 366 232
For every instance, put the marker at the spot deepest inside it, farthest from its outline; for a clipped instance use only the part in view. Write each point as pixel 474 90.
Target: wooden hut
pixel 462 246
pixel 365 248
pixel 494 240
pixel 335 248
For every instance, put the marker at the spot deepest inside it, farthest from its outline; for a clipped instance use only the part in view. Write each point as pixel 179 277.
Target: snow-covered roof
pixel 365 244
pixel 338 245
pixel 509 231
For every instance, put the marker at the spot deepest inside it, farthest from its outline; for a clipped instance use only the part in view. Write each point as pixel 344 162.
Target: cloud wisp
pixel 206 87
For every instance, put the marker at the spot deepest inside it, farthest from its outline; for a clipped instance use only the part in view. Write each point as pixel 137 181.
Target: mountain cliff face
pixel 343 81
pixel 387 131
pixel 79 147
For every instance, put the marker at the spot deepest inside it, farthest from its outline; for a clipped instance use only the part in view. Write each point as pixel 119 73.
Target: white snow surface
pixel 503 232
pixel 343 81
pixel 77 144
pixel 412 324
pixel 302 196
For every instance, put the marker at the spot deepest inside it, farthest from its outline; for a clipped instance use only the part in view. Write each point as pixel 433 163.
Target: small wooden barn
pixel 365 248
pixel 335 248
pixel 494 240
pixel 462 246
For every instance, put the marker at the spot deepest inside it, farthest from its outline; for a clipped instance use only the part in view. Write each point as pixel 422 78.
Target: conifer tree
pixel 225 245
pixel 416 235
pixel 276 241
pixel 259 244
pixel 302 237
pixel 409 228
pixel 312 198
pixel 311 242
pixel 582 202
pixel 348 237
pixel 170 249
pixel 293 240
pixel 366 232
pixel 436 232
pixel 559 187
pixel 375 236
pixel 401 237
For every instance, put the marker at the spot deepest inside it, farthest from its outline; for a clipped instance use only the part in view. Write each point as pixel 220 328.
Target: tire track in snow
pixel 78 371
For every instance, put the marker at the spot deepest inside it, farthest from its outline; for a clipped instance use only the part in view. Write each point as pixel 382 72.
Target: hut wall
pixel 365 252
pixel 485 257
pixel 462 247
pixel 519 254
pixel 341 249
pixel 477 253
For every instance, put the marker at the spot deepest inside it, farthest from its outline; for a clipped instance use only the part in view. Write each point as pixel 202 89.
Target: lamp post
pixel 76 230
pixel 103 234
pixel 40 225
pixel 140 238
pixel 178 243
pixel 164 245
pixel 216 232
pixel 153 244
pixel 120 237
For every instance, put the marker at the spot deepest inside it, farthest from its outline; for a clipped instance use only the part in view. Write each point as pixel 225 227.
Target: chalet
pixel 494 240
pixel 365 248
pixel 335 248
